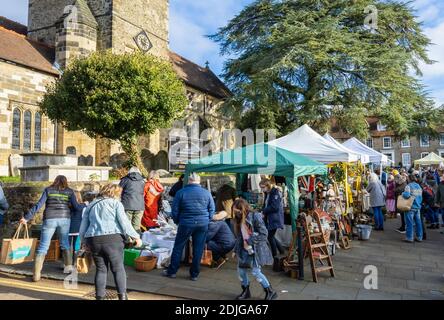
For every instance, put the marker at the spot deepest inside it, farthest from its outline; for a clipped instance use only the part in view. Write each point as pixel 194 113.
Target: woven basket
pixel 145 264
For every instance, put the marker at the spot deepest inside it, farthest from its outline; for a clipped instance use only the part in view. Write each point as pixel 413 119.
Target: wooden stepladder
pixel 317 249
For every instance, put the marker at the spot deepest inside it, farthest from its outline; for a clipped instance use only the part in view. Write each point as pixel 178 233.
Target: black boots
pixel 245 293
pixel 270 294
pixel 123 296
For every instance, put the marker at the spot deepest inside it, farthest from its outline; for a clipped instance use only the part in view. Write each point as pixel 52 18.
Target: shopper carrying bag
pixel 18 250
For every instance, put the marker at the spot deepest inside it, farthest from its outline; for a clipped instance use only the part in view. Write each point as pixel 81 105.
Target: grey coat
pixel 258 240
pixel 439 197
pixel 377 194
pixel 4 206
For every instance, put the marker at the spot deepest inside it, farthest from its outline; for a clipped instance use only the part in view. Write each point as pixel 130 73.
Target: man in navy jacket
pixel 220 238
pixel 193 208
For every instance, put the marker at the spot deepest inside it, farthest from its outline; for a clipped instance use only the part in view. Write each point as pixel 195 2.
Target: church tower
pixel 122 25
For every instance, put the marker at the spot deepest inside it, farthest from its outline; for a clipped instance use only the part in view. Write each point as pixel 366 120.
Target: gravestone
pixel 117 160
pixel 161 161
pixel 15 162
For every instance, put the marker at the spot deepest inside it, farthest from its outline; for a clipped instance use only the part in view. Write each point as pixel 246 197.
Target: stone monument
pixel 46 167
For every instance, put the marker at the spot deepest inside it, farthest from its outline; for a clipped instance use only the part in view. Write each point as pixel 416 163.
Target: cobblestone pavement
pixel 405 271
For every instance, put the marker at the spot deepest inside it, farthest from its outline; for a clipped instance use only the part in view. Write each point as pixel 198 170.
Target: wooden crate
pixel 53 251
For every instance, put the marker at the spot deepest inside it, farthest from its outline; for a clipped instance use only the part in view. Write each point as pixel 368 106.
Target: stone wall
pixel 21 88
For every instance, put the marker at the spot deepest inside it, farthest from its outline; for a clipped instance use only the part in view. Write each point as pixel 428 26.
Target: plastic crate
pixel 129 256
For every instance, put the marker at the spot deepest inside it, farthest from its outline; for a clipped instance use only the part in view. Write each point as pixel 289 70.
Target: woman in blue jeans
pixel 377 193
pixel 413 217
pixel 58 200
pixel 103 230
pixel 251 249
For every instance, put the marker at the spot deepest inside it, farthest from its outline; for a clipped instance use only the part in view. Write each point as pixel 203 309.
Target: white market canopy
pixel 357 146
pixel 363 157
pixel 307 142
pixel 431 159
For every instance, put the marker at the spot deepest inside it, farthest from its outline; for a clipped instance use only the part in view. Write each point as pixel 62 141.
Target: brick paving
pixel 405 272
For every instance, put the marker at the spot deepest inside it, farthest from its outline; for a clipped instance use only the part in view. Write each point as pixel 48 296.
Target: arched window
pixel 16 128
pixel 38 132
pixel 27 133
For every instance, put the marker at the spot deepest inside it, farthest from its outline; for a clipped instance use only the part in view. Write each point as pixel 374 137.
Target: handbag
pixel 405 205
pixel 207 257
pixel 83 262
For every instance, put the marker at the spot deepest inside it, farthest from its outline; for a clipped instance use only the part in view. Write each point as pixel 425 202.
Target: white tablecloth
pixel 157 241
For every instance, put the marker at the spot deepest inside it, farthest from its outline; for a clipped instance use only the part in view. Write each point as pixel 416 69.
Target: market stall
pixel 375 157
pixel 430 160
pixel 343 164
pixel 262 159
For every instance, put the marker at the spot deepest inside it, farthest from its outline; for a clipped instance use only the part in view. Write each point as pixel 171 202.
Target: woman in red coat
pixel 153 193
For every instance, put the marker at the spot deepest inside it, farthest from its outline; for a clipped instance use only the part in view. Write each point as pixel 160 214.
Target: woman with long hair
pixel 153 194
pixel 104 229
pixel 58 200
pixel 251 249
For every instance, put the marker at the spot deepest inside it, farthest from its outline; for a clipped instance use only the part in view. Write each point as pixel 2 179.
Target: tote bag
pixel 405 205
pixel 18 250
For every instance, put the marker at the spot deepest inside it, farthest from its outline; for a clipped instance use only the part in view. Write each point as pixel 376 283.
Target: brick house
pixel 401 152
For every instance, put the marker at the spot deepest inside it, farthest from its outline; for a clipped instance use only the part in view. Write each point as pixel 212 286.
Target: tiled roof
pixel 198 77
pixel 15 47
pixel 12 25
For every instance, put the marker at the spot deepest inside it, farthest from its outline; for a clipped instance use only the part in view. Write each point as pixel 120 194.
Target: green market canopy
pixel 262 159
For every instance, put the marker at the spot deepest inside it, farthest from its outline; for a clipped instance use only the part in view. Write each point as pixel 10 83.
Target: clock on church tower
pixel 143 41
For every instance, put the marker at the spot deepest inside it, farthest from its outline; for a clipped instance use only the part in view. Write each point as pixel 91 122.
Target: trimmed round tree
pixel 119 97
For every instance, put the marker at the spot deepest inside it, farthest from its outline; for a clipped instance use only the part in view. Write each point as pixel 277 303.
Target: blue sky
pixel 192 20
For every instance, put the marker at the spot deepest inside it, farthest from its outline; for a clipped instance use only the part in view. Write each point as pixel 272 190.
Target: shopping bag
pixel 18 250
pixel 405 205
pixel 207 257
pixel 84 262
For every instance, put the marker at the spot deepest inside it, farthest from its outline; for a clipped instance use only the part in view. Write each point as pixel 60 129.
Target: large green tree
pixel 308 61
pixel 119 97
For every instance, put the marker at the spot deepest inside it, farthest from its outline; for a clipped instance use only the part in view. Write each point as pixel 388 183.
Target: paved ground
pixel 405 271
pixel 18 287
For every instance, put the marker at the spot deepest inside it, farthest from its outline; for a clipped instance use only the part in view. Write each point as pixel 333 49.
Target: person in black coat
pixel 133 193
pixel 177 186
pixel 220 239
pixel 273 214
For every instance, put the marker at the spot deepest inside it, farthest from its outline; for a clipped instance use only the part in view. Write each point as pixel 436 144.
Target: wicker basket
pixel 53 251
pixel 145 264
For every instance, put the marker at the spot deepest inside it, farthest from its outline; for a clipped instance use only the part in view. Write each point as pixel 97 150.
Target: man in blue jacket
pixel 193 208
pixel 220 239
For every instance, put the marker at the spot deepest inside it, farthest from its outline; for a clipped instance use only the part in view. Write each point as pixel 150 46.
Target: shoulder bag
pixel 405 205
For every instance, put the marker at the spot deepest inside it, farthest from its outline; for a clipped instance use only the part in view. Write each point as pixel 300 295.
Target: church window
pixel 16 128
pixel 38 132
pixel 27 130
pixel 71 151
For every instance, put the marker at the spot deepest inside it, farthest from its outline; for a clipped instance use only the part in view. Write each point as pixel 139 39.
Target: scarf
pixel 246 234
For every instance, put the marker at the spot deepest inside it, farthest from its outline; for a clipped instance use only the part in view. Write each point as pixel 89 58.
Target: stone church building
pixel 58 31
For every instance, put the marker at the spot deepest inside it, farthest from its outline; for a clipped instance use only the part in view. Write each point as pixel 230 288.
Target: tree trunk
pixel 129 145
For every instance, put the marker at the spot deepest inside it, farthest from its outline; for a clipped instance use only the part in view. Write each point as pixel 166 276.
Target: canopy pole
pixel 293 193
